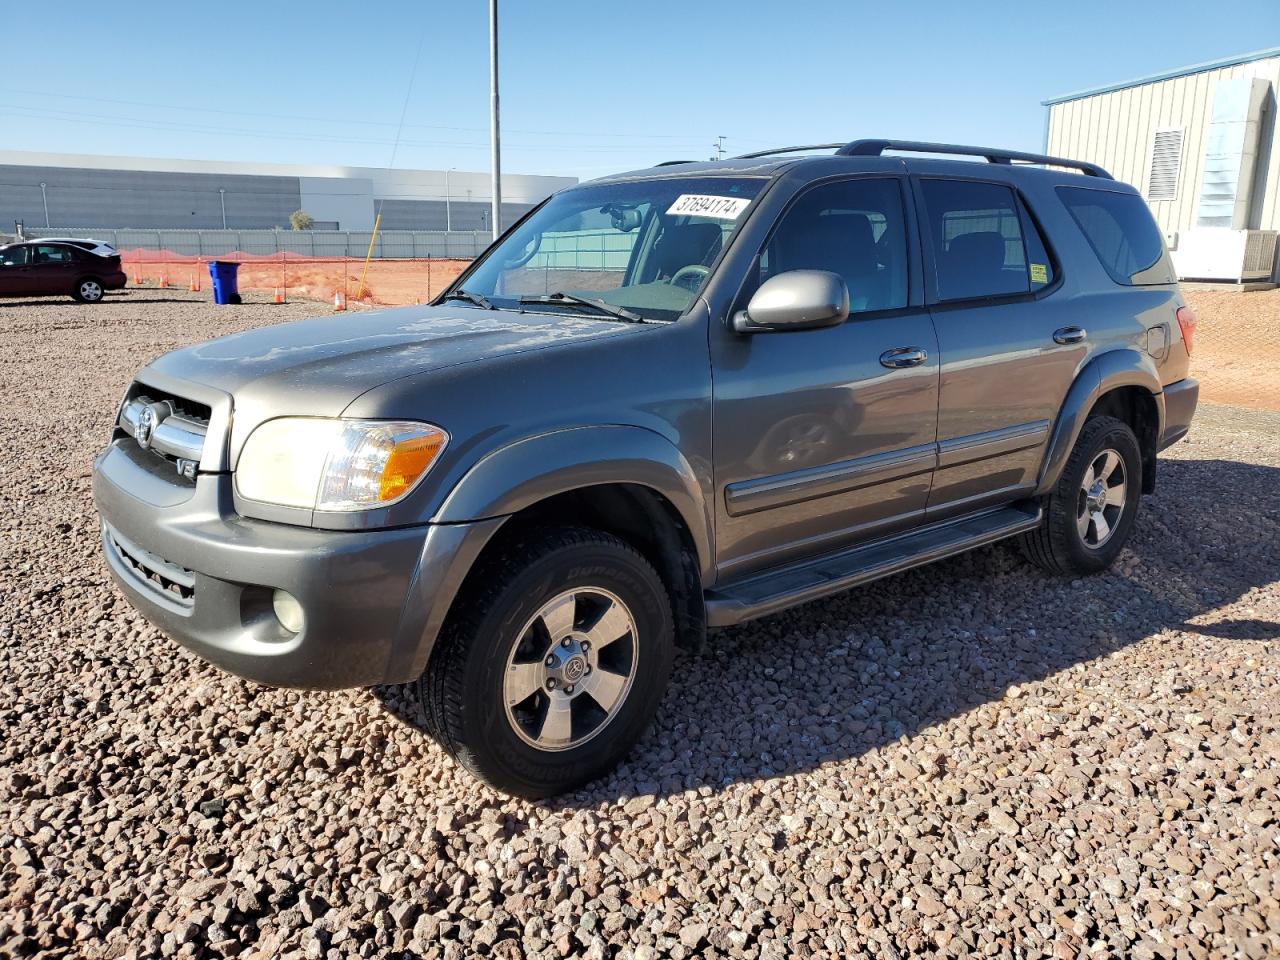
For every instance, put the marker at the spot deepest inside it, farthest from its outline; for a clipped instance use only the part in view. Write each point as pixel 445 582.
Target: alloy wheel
pixel 570 669
pixel 1101 500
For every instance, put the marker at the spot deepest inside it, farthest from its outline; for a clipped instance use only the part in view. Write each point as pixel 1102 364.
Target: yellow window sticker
pixel 1039 273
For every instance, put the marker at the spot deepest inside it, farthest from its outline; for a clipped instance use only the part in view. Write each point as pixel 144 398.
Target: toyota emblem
pixel 146 427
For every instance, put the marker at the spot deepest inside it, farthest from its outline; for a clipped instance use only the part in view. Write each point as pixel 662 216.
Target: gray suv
pixel 663 402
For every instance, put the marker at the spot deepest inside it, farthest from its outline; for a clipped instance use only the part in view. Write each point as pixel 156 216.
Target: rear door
pixel 54 268
pixel 825 437
pixel 1008 357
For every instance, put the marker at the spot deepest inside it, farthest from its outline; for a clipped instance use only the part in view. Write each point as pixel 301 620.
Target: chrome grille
pixel 168 426
pixel 150 572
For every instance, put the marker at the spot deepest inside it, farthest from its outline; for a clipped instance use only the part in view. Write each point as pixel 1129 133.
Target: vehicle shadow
pixel 834 679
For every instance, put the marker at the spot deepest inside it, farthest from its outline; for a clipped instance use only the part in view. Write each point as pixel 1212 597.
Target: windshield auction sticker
pixel 703 205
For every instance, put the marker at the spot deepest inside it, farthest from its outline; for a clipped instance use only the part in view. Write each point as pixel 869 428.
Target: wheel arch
pixel 1120 383
pixel 516 477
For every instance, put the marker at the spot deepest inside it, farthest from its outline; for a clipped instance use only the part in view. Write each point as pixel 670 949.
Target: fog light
pixel 288 610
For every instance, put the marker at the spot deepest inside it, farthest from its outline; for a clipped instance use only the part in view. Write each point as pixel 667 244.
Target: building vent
pixel 1166 161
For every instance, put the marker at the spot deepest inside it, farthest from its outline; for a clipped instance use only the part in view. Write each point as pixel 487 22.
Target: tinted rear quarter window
pixel 1122 233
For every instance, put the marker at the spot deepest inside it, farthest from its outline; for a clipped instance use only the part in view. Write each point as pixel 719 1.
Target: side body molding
pixel 527 471
pixel 1105 372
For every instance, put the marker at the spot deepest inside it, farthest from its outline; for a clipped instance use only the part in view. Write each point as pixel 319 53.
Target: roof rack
pixel 874 148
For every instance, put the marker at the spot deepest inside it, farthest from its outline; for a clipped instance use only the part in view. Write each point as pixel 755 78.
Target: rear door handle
pixel 1069 335
pixel 900 357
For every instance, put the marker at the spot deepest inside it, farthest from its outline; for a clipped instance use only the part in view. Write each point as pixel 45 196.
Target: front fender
pixel 1105 372
pixel 517 476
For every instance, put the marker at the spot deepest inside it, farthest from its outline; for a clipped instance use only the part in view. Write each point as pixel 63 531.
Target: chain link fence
pixel 206 244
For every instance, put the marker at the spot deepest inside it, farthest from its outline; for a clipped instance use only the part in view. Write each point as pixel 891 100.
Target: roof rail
pixel 775 150
pixel 874 148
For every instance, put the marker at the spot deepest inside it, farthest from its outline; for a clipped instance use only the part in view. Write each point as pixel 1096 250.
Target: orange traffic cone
pixel 339 301
pixel 164 281
pixel 277 297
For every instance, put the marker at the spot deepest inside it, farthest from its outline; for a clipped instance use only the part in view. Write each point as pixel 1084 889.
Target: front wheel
pixel 1092 509
pixel 552 665
pixel 88 290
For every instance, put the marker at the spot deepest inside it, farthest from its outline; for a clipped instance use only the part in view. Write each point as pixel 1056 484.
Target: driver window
pixel 855 228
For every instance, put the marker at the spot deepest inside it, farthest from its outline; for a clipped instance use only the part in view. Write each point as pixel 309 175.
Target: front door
pixel 824 438
pixel 15 271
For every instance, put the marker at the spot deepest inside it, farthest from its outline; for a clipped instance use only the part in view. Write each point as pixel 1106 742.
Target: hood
pixel 319 366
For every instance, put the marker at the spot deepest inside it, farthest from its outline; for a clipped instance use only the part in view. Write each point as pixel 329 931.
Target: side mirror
pixel 796 300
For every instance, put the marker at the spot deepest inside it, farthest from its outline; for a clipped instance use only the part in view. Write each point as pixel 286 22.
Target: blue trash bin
pixel 223 275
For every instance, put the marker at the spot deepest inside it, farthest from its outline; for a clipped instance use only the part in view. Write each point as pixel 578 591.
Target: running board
pixel 784 587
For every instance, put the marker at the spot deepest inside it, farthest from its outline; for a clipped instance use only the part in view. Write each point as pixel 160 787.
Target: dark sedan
pixel 41 268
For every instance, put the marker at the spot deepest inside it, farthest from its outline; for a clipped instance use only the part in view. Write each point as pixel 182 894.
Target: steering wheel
pixel 694 270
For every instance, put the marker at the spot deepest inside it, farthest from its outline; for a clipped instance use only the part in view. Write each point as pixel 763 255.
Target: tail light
pixel 1187 324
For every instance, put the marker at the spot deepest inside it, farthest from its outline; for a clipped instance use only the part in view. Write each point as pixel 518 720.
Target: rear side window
pixel 54 255
pixel 978 244
pixel 1122 233
pixel 15 256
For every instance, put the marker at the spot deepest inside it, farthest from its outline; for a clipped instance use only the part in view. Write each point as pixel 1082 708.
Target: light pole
pixel 496 215
pixel 222 199
pixel 45 199
pixel 448 213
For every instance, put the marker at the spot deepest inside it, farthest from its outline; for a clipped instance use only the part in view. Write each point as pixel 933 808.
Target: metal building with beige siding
pixel 1200 144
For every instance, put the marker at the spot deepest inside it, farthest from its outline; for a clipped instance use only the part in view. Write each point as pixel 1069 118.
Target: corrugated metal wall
pixel 1116 130
pixel 144 198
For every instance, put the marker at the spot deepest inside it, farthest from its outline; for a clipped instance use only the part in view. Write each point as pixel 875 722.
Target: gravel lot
pixel 968 759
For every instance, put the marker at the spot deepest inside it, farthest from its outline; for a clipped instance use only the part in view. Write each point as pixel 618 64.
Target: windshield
pixel 646 246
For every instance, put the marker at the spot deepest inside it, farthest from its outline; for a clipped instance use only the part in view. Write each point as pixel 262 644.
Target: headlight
pixel 336 464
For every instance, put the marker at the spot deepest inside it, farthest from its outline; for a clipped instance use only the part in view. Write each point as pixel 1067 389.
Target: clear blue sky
pixel 589 86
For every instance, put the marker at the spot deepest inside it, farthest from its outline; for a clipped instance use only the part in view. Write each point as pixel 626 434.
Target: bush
pixel 301 220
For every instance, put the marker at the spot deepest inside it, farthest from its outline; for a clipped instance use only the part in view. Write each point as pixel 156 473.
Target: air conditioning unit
pixel 1220 253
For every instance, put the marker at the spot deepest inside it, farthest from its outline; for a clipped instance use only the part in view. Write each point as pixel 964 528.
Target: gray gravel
pixel 968 759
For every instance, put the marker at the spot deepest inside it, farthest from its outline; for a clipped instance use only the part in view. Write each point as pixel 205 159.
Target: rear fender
pixel 1102 374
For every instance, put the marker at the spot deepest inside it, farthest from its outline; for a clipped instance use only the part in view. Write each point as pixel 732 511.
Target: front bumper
pixel 372 601
pixel 1180 400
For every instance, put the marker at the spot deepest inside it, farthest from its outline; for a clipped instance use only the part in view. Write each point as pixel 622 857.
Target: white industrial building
pixel 51 190
pixel 1200 144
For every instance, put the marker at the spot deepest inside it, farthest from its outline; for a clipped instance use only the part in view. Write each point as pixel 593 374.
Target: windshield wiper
pixel 601 306
pixel 478 299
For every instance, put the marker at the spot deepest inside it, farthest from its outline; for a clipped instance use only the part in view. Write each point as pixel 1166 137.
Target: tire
pixel 1073 539
pixel 88 290
pixel 515 632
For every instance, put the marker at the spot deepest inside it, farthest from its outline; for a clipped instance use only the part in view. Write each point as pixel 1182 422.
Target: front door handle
pixel 1066 335
pixel 900 357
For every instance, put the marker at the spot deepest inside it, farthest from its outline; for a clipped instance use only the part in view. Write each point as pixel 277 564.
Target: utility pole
pixel 496 215
pixel 718 147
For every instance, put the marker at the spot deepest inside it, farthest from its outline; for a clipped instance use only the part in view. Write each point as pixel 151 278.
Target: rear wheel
pixel 88 290
pixel 552 666
pixel 1092 509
